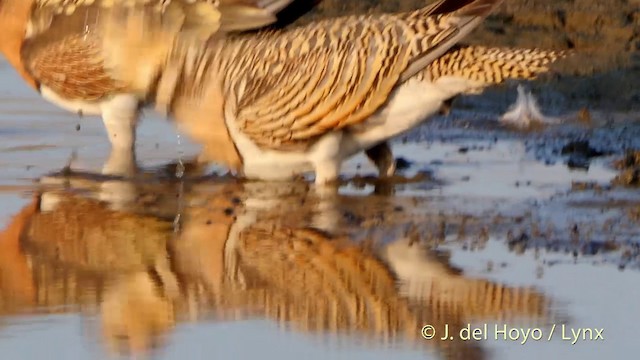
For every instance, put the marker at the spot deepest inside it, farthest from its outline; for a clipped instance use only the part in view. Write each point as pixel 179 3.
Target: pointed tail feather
pixel 492 65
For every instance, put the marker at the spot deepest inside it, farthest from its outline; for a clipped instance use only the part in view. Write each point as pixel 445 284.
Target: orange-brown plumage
pixel 58 44
pixel 17 288
pixel 74 68
pixel 14 16
pixel 103 57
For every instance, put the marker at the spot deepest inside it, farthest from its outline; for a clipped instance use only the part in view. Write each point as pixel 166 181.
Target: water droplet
pixel 180 168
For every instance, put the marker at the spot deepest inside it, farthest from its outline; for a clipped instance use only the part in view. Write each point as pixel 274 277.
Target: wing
pixel 251 14
pixel 336 73
pixel 87 50
pixel 229 15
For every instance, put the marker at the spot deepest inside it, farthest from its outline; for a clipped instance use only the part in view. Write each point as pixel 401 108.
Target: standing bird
pixel 307 98
pixel 62 48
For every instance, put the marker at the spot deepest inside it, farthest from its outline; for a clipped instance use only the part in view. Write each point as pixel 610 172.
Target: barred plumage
pixel 491 65
pixel 364 59
pixel 308 98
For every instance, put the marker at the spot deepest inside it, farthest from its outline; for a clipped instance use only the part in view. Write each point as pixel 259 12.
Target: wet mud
pixel 629 168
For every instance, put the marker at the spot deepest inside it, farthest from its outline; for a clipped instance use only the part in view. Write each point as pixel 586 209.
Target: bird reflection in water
pixel 243 250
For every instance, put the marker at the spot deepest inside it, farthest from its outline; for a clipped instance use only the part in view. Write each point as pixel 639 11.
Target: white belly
pixel 408 106
pixel 75 106
pixel 283 165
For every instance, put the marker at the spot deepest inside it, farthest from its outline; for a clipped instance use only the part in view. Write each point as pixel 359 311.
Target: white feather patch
pixel 526 112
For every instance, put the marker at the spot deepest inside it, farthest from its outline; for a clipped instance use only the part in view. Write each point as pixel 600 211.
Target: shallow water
pixel 495 235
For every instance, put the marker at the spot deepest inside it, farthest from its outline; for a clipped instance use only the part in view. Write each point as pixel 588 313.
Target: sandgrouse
pixel 278 104
pixel 270 105
pixel 64 48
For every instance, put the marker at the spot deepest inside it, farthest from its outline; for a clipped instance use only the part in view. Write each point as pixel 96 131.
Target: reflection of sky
pixel 9 205
pixel 63 336
pixel 594 296
pixel 501 170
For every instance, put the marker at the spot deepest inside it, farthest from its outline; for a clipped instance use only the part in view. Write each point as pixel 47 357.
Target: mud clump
pixel 629 167
pixel 580 154
pixel 581 148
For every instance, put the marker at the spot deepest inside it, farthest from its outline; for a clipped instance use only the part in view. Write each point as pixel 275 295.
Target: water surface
pixel 95 268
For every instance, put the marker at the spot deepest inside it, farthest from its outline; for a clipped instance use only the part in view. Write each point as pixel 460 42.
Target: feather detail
pixel 300 84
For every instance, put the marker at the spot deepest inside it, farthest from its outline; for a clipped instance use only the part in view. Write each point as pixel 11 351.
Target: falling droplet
pixel 180 170
pixel 180 167
pixel 176 223
pixel 179 175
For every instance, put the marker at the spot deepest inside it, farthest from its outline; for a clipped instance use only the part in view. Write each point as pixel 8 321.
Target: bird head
pixel 14 17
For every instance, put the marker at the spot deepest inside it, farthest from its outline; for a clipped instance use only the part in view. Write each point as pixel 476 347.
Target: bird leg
pixel 119 192
pixel 382 156
pixel 445 109
pixel 327 215
pixel 327 172
pixel 327 160
pixel 120 118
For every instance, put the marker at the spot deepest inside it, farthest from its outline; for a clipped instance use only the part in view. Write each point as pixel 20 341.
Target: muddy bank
pixel 603 73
